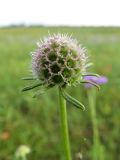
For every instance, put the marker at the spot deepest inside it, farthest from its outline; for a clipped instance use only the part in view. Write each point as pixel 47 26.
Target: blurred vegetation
pixel 35 122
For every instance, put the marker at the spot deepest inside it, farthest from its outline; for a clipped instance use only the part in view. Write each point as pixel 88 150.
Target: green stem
pixel 64 127
pixel 92 104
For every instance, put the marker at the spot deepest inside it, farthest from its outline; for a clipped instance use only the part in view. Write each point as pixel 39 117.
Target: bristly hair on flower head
pixel 59 60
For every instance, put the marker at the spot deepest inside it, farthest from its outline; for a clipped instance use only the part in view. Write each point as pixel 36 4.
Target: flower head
pixel 98 80
pixel 59 60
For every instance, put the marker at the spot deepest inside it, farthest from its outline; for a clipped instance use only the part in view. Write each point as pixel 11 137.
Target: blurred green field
pixel 35 122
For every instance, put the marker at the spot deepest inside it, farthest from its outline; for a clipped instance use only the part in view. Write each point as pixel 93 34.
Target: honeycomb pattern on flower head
pixel 59 60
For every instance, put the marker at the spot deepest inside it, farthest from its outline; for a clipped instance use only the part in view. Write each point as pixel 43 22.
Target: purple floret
pixel 97 80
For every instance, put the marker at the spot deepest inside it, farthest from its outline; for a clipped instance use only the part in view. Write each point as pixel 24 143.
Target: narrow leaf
pixel 31 87
pixel 91 74
pixel 90 82
pixel 28 78
pixel 72 100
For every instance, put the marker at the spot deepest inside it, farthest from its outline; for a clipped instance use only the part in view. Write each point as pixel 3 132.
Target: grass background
pixel 24 120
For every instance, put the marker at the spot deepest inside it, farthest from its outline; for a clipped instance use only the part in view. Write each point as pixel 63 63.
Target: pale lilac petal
pixel 98 80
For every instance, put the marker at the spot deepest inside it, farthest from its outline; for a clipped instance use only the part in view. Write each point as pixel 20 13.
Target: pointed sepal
pixel 28 78
pixel 91 74
pixel 27 88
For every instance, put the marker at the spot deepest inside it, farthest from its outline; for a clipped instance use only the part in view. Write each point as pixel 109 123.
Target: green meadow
pixel 35 122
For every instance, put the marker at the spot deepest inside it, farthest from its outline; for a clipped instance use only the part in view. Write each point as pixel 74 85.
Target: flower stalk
pixel 59 61
pixel 98 148
pixel 92 102
pixel 64 127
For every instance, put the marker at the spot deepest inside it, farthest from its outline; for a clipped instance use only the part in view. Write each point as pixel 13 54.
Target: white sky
pixel 60 12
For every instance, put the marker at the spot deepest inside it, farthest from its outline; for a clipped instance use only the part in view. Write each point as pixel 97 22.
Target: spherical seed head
pixel 59 60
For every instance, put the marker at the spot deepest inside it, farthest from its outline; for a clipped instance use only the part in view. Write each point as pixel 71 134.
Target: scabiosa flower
pixel 98 80
pixel 59 60
pixel 91 93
